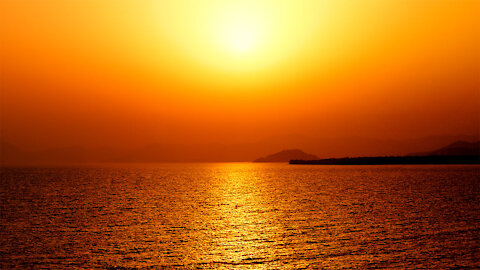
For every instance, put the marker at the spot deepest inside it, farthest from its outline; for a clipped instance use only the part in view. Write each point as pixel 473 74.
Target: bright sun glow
pixel 241 37
pixel 240 31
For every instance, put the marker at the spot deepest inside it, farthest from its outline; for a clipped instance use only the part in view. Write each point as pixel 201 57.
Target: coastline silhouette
pixel 392 160
pixel 456 153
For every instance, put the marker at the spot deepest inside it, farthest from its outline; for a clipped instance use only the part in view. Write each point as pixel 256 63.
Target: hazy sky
pixel 114 73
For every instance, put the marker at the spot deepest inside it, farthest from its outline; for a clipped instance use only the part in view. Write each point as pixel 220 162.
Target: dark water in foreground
pixel 245 216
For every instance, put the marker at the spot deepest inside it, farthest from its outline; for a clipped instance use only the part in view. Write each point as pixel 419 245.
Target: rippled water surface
pixel 240 216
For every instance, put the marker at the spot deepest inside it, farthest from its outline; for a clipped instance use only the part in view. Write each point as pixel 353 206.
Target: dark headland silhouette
pixel 456 153
pixel 286 156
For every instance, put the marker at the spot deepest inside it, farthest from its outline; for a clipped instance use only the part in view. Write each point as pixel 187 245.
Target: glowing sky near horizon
pixel 111 72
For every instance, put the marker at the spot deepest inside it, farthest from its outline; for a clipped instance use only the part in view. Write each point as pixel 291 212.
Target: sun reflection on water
pixel 245 225
pixel 250 220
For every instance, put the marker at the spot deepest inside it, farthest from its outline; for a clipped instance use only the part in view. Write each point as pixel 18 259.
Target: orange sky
pixel 130 73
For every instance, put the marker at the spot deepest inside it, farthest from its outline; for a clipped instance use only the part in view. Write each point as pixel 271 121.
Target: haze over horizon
pixel 211 80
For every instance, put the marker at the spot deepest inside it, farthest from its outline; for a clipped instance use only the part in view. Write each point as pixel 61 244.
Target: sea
pixel 240 216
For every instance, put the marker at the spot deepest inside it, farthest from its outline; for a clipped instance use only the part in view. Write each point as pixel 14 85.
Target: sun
pixel 240 37
pixel 240 30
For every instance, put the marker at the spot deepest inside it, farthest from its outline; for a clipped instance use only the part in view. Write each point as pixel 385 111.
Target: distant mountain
pixel 459 148
pixel 337 147
pixel 286 156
